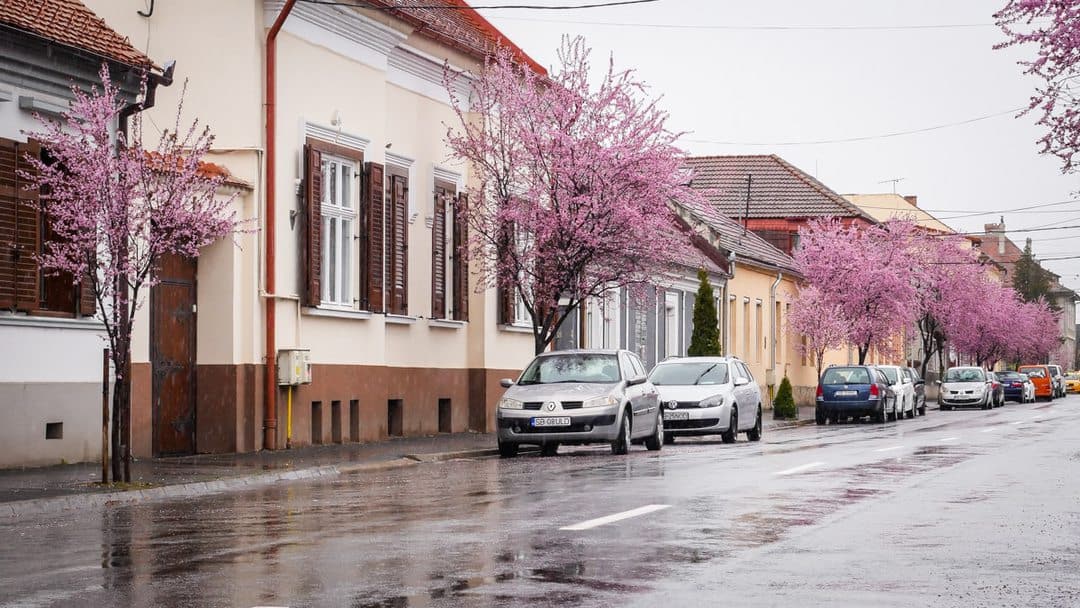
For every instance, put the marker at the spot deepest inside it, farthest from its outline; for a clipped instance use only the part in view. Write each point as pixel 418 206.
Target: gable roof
pixel 731 236
pixel 778 189
pixel 884 207
pixel 71 23
pixel 455 24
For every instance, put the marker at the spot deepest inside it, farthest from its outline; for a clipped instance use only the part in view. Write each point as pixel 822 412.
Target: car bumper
pixel 1014 393
pixel 592 425
pixel 699 421
pixel 961 400
pixel 852 407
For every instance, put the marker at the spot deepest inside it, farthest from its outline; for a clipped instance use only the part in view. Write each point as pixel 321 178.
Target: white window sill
pixel 337 313
pixel 83 324
pixel 517 329
pixel 400 319
pixel 447 323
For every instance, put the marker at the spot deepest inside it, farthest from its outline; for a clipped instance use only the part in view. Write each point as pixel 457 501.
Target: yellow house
pixel 335 115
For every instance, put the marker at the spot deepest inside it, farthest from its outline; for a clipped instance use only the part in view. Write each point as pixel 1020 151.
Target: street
pixel 960 508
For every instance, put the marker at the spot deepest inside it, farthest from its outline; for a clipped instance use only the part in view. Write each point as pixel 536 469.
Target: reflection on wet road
pixel 932 511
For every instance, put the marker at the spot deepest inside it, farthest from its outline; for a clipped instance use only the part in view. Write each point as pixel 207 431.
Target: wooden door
pixel 172 357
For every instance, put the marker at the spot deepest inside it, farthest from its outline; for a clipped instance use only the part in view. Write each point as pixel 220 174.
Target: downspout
pixel 775 330
pixel 727 304
pixel 269 377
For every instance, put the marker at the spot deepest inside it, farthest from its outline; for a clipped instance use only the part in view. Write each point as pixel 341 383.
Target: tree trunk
pixel 863 351
pixel 118 391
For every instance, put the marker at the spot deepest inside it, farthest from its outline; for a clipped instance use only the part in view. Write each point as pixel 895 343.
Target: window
pixel 758 333
pixel 449 270
pixel 339 220
pixel 397 240
pixel 565 368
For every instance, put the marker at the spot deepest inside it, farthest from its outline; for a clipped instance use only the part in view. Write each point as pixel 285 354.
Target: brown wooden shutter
pixel 460 258
pixel 398 279
pixel 311 252
pixel 9 202
pixel 371 251
pixel 87 302
pixel 438 256
pixel 27 234
pixel 506 291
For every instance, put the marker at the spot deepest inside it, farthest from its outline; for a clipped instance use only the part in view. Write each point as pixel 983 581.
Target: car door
pixel 650 396
pixel 744 395
pixel 635 394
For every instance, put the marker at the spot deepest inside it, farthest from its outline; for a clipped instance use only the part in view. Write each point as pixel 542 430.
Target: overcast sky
pixel 799 85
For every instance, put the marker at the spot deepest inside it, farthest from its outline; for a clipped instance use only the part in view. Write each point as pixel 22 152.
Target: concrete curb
pixel 791 423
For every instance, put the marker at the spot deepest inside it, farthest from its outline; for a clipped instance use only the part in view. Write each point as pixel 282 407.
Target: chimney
pixel 999 229
pixel 912 200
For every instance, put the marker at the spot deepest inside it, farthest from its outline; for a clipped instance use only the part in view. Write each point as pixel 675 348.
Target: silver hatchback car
pixel 708 396
pixel 578 397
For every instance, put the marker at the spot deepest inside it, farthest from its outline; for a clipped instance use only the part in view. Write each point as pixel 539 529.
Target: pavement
pixel 66 487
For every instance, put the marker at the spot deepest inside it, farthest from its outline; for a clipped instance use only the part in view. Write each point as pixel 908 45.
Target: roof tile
pixel 71 23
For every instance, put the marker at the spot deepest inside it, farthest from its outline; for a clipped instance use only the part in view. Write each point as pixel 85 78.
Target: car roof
pixel 583 351
pixel 708 359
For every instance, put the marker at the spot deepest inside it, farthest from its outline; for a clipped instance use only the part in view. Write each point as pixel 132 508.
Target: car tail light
pixel 820 391
pixel 875 391
pixel 1017 384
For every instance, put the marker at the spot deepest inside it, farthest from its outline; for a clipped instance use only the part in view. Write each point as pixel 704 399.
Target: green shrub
pixel 784 402
pixel 705 341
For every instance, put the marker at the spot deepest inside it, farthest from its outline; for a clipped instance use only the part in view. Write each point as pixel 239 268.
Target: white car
pixel 965 386
pixel 1029 389
pixel 901 384
pixel 708 396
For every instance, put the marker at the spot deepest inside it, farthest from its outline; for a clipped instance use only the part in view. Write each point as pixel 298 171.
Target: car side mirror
pixel 636 380
pixel 741 381
pixel 506 383
pixel 907 380
pixel 937 382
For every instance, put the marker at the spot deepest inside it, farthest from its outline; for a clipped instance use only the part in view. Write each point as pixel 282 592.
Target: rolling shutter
pixel 460 258
pixel 311 252
pixel 371 251
pixel 438 256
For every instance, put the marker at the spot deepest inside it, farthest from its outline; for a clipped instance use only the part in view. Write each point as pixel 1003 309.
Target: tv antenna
pixel 894 181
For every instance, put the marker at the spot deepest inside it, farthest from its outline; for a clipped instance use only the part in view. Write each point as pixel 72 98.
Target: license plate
pixel 676 415
pixel 846 393
pixel 552 421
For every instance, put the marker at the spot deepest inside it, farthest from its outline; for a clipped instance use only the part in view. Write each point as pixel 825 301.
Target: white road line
pixel 948 439
pixel 1019 422
pixel 799 468
pixel 1036 417
pixel 989 430
pixel 895 447
pixel 599 521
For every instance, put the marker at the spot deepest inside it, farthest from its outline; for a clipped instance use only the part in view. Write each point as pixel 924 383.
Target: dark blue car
pixel 853 391
pixel 1014 385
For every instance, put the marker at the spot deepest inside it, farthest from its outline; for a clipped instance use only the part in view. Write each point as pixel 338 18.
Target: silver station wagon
pixel 578 397
pixel 708 396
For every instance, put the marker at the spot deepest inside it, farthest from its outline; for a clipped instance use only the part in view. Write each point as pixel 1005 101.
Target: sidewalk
pixel 59 488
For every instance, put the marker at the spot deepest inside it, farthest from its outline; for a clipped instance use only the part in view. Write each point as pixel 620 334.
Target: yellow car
pixel 1072 382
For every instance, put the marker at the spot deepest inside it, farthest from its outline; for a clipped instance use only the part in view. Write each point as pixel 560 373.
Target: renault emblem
pixel 550 405
pixel 672 405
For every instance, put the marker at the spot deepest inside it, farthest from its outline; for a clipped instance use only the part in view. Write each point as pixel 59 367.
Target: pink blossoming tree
pixel 573 183
pixel 1053 27
pixel 819 321
pixel 117 210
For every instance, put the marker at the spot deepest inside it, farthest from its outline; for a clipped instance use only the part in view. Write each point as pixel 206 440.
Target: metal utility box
pixel 293 366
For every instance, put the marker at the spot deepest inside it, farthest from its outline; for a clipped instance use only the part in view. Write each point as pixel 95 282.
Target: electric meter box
pixel 294 366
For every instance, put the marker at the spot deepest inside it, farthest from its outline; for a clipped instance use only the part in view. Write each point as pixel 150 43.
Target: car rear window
pixel 965 375
pixel 575 367
pixel 1034 372
pixel 890 373
pixel 1008 376
pixel 689 373
pixel 846 375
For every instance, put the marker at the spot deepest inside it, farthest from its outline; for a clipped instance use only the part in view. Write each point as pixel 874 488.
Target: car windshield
pixel 1073 376
pixel 890 373
pixel 689 373
pixel 577 367
pixel 1034 372
pixel 965 375
pixel 846 375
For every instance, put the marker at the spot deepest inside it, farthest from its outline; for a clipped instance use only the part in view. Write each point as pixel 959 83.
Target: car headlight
pixel 600 401
pixel 714 401
pixel 507 403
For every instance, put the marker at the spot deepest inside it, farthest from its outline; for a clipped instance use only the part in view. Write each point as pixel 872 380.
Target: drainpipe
pixel 727 305
pixel 775 329
pixel 270 380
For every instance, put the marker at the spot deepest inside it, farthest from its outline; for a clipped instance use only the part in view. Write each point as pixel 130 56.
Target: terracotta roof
pixel 70 23
pixel 462 28
pixel 745 244
pixel 777 188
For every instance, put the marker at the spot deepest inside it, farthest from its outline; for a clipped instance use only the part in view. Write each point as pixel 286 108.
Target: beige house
pixel 357 268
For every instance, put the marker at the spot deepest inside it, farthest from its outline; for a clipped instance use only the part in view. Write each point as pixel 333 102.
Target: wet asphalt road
pixel 961 508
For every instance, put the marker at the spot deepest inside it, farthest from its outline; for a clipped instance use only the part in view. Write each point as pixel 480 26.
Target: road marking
pixel 1036 417
pixel 949 439
pixel 895 447
pixel 797 469
pixel 989 430
pixel 1019 422
pixel 599 521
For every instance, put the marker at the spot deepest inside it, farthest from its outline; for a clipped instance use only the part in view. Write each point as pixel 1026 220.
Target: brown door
pixel 172 357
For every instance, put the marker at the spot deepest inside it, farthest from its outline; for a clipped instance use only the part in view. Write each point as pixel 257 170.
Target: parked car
pixel 902 386
pixel 577 397
pixel 708 396
pixel 1029 389
pixel 965 386
pixel 1014 384
pixel 1072 382
pixel 1040 376
pixel 855 391
pixel 997 390
pixel 919 386
pixel 1058 377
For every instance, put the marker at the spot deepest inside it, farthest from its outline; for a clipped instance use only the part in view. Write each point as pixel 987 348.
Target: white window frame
pixel 337 213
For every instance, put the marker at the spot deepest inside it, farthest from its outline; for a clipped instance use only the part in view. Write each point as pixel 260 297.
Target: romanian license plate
pixel 676 415
pixel 846 393
pixel 551 421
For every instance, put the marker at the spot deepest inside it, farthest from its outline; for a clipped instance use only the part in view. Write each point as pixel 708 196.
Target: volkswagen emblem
pixel 672 405
pixel 550 405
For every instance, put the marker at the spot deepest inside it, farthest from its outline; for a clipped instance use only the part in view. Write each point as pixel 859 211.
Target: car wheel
pixel 549 449
pixel 621 445
pixel 669 438
pixel 730 435
pixel 656 441
pixel 878 416
pixel 987 403
pixel 754 434
pixel 911 413
pixel 922 409
pixel 819 415
pixel 508 450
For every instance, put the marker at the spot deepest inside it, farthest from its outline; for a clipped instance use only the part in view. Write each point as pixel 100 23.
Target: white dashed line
pixel 599 521
pixel 800 468
pixel 948 439
pixel 1019 422
pixel 989 430
pixel 895 447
